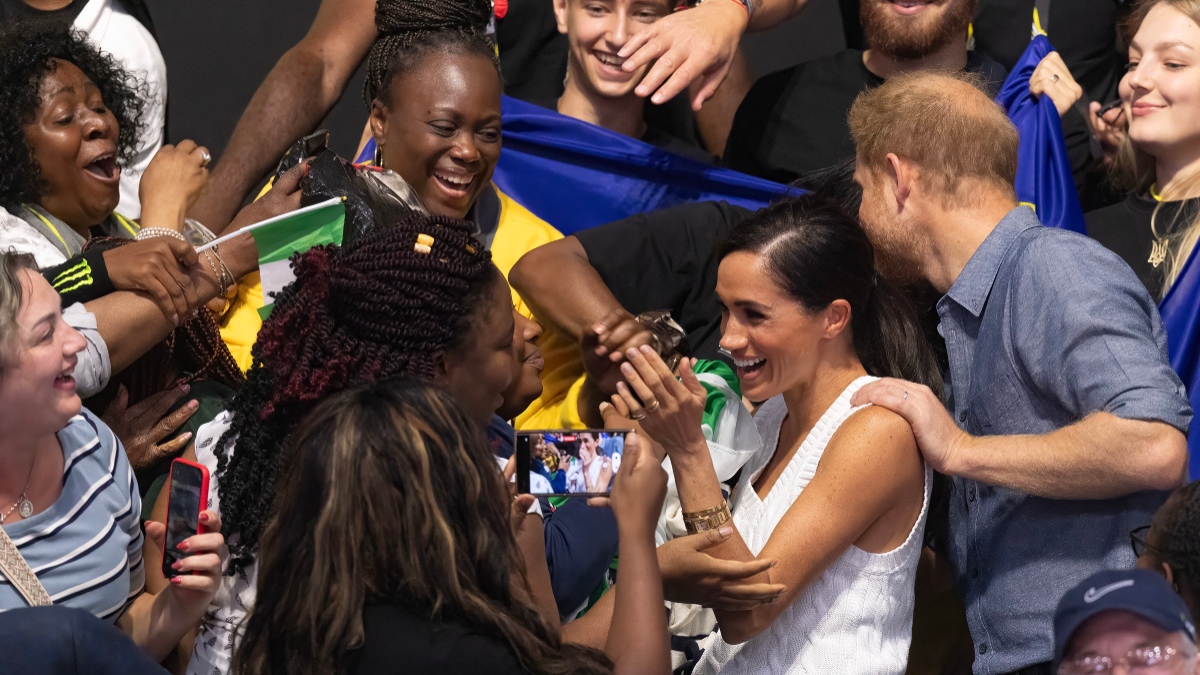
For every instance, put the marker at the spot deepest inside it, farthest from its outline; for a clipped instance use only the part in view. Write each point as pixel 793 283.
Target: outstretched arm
pixel 299 91
pixel 1099 457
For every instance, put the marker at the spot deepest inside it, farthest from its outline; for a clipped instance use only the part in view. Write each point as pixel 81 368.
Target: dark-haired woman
pixel 420 298
pixel 838 496
pixel 1171 544
pixel 433 88
pixel 68 127
pixel 393 551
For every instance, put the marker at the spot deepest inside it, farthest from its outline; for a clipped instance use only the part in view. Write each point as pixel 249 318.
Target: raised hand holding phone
pixel 194 550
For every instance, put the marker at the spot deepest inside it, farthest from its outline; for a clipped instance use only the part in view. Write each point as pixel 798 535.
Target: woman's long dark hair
pixel 817 254
pixel 391 496
pixel 353 316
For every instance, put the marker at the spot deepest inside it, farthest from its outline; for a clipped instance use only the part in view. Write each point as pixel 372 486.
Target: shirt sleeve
pixel 130 521
pixel 94 368
pixel 1088 336
pixel 655 260
pixel 580 543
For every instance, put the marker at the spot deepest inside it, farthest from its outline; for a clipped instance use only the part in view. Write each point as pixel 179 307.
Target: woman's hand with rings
pixel 669 409
pixel 1053 78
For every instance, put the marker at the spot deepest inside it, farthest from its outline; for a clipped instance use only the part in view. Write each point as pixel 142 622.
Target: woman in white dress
pixel 838 496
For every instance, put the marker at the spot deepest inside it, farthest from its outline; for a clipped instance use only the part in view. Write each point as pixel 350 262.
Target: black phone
pixel 187 497
pixel 569 461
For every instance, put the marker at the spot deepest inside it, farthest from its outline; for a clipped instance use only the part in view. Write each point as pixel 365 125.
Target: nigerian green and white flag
pixel 281 237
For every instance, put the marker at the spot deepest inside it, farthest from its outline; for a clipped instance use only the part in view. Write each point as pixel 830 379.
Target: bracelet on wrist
pixel 708 519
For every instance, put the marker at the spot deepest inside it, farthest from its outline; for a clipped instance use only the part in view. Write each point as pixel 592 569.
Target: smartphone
pixel 188 496
pixel 569 461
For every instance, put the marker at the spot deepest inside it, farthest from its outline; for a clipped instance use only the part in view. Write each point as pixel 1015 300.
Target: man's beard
pixel 896 247
pixel 908 38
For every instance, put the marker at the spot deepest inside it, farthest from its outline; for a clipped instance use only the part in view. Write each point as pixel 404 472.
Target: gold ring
pixel 638 416
pixel 653 405
pixel 1054 78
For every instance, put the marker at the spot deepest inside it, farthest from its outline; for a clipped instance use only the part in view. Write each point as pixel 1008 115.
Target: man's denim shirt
pixel 1044 327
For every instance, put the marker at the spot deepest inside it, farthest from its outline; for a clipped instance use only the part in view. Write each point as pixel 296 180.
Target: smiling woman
pixel 69 123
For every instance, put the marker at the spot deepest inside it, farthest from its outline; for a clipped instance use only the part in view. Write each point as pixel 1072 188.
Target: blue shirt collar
pixel 973 285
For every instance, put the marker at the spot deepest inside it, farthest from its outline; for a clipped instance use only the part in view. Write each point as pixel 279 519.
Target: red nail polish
pixel 178 565
pixel 183 546
pixel 175 580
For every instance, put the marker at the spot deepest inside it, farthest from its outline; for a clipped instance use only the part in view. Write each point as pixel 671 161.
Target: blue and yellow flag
pixel 1180 311
pixel 1044 179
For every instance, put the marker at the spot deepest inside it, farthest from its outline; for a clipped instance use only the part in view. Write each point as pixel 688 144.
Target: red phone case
pixel 204 489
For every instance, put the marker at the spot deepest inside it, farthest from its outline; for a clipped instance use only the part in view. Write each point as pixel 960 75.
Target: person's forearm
pixel 531 540
pixel 289 104
pixel 770 13
pixel 1100 457
pixel 156 624
pixel 562 287
pixel 638 641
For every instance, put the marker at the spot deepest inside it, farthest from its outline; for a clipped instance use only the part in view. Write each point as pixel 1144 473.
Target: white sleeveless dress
pixel 856 618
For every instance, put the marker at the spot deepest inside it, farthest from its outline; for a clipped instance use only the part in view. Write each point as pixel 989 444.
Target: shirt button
pixel 962 416
pixel 983 648
pixel 971 494
pixel 974 572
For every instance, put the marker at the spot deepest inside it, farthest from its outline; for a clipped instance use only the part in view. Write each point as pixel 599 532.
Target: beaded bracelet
pixel 152 232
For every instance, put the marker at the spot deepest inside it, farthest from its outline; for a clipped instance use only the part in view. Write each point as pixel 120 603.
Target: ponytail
pixel 817 254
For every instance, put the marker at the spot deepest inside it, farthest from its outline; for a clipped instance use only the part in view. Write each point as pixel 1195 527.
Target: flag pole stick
pixel 250 228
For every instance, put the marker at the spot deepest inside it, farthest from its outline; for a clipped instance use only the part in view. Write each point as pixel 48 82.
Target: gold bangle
pixel 708 519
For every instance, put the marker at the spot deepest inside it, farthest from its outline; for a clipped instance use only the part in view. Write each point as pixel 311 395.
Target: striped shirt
pixel 87 547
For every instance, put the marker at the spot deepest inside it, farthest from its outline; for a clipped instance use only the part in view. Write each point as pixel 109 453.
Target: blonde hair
pixel 942 121
pixel 1134 167
pixel 11 295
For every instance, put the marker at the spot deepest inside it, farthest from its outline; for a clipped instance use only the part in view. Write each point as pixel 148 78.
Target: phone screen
pixel 187 486
pixel 569 461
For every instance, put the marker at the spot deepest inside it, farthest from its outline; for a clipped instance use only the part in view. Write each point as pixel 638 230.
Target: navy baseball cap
pixel 1139 591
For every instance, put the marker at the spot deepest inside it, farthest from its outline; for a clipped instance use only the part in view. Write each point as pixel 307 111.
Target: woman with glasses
pixel 1171 545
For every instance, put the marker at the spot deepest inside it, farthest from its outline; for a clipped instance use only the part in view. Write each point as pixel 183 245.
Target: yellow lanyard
pixel 47 223
pixel 131 227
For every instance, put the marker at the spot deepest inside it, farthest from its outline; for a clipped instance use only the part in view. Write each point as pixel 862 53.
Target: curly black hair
pixel 410 30
pixel 1178 525
pixel 29 52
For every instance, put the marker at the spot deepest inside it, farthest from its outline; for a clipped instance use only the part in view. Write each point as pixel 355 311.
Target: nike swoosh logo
pixel 1093 594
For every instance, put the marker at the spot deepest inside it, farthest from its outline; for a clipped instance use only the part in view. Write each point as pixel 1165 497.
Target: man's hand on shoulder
pixel 941 442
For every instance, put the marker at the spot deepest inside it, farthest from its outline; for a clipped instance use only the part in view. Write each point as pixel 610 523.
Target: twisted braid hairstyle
pixel 353 316
pixel 410 30
pixel 28 53
pixel 1178 540
pixel 392 497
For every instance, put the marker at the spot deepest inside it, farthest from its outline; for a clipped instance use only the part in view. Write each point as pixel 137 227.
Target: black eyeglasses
pixel 1137 539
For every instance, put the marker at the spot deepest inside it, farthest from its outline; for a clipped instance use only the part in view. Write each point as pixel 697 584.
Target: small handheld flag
pixel 279 238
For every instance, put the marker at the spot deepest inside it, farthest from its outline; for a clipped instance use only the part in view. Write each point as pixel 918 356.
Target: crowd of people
pixel 889 423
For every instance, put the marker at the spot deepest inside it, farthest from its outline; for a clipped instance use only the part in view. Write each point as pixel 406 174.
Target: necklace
pixel 22 505
pixel 1158 249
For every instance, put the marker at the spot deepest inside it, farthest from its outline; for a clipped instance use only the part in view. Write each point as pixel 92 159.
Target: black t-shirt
pixel 794 121
pixel 663 260
pixel 398 640
pixel 533 54
pixel 1124 229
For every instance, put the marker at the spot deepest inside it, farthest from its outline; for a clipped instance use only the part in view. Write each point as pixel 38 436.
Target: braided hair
pixel 353 316
pixel 410 30
pixel 1178 525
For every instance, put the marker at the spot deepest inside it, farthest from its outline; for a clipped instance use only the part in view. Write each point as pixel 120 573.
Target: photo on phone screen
pixel 187 497
pixel 569 462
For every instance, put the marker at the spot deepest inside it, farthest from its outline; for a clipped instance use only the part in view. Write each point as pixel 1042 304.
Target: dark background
pixel 219 51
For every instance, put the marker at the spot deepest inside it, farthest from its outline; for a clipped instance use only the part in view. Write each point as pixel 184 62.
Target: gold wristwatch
pixel 708 519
